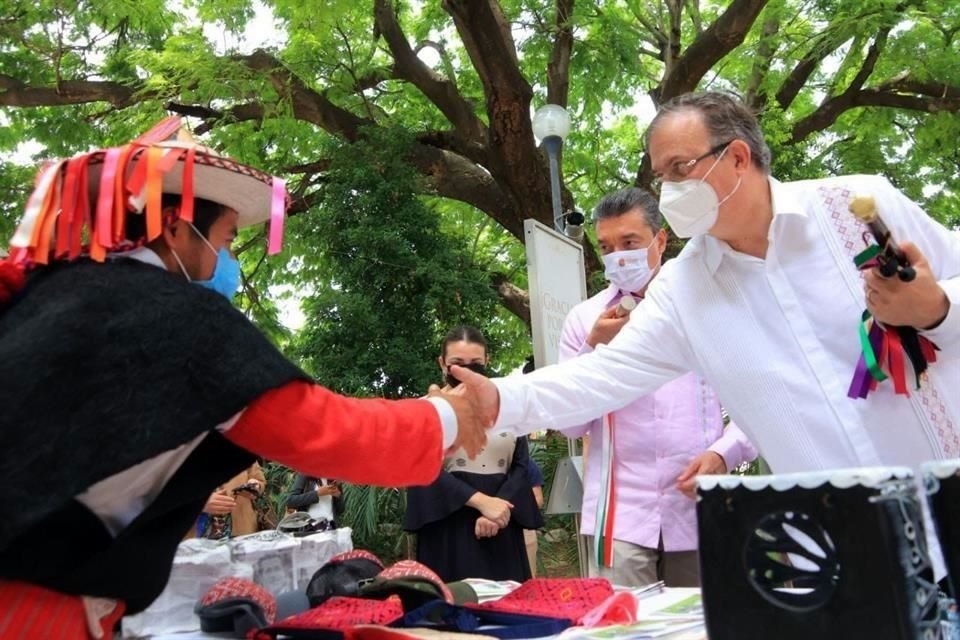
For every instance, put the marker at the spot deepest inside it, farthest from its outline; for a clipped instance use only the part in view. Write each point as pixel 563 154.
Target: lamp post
pixel 551 124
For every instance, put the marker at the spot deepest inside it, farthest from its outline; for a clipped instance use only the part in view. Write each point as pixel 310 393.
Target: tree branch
pixel 452 142
pixel 659 37
pixel 439 90
pixel 213 117
pixel 14 93
pixel 307 104
pixel 674 35
pixel 515 299
pixel 319 166
pixel 755 98
pixel 558 69
pixel 300 204
pixel 870 61
pixel 720 38
pixel 448 67
pixel 453 176
pixel 831 108
pixel 828 42
pixel 903 84
pixel 693 7
pixel 486 36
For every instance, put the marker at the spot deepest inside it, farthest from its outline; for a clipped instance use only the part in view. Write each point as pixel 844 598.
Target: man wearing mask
pixel 644 482
pixel 766 304
pixel 132 388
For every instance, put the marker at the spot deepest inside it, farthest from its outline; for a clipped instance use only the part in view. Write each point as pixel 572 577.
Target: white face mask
pixel 691 207
pixel 629 270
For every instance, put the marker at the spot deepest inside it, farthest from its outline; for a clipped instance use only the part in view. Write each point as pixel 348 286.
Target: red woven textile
pixel 570 598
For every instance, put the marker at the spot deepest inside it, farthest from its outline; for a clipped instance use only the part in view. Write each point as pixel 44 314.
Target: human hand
pixel 495 509
pixel 328 490
pixel 471 431
pixel 606 327
pixel 248 491
pixel 219 504
pixel 920 303
pixel 481 393
pixel 707 463
pixel 485 528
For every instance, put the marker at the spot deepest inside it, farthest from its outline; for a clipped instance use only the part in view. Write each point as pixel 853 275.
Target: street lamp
pixel 551 124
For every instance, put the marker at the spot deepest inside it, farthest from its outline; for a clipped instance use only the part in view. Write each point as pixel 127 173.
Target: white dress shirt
pixel 776 338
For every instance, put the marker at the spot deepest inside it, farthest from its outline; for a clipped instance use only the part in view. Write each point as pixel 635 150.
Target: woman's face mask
pixel 476 367
pixel 226 273
pixel 691 207
pixel 629 270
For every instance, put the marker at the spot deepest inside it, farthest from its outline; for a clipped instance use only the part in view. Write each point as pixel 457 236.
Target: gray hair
pixel 620 202
pixel 725 117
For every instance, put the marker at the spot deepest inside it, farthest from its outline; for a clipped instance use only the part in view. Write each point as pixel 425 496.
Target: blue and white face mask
pixel 226 273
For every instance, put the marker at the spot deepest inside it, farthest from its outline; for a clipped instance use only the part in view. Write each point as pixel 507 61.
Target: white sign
pixel 557 284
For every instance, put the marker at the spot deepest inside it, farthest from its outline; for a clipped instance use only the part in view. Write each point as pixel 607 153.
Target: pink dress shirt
pixel 657 437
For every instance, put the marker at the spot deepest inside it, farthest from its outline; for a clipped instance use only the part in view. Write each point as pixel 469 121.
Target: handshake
pixel 476 403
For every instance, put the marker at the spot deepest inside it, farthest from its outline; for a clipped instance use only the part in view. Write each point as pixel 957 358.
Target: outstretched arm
pixel 324 434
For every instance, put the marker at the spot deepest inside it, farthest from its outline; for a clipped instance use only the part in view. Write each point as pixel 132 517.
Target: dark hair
pixel 205 213
pixel 529 365
pixel 463 333
pixel 614 205
pixel 725 117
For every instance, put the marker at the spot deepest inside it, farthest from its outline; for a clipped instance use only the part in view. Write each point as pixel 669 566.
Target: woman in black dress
pixel 470 521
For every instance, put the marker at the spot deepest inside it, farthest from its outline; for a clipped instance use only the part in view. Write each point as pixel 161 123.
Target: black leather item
pixel 340 578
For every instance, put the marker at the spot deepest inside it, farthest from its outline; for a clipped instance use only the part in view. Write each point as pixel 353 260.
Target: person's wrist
pixel 721 459
pixel 941 313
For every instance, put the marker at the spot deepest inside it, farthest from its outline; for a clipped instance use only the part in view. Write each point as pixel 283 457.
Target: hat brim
pixel 244 189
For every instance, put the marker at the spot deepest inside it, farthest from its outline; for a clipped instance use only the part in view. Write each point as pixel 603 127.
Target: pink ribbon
pixel 105 197
pixel 278 208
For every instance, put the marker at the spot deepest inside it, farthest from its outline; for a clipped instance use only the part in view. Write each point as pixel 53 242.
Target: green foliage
pixel 272 502
pixel 396 282
pixel 557 554
pixel 375 516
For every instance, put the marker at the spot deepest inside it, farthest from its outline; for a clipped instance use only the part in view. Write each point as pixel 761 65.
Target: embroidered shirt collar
pixel 783 200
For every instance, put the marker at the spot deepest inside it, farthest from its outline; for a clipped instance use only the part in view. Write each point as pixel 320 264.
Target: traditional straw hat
pixel 60 224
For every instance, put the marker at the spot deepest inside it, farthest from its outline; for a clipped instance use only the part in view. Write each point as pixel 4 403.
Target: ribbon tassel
pixel 606 504
pixel 884 351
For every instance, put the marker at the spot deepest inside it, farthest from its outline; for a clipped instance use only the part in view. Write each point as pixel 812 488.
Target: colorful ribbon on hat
pixel 885 350
pixel 58 211
pixel 278 209
pixel 606 501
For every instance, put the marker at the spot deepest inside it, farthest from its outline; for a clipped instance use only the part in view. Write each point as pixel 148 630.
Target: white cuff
pixel 511 404
pixel 948 331
pixel 448 420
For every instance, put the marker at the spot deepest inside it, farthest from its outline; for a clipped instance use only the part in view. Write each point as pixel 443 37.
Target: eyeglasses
pixel 682 168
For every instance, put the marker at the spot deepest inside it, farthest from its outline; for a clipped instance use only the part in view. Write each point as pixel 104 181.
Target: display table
pixel 279 562
pixel 671 614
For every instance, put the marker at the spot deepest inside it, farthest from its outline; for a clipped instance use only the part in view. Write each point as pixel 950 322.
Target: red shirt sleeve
pixel 321 433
